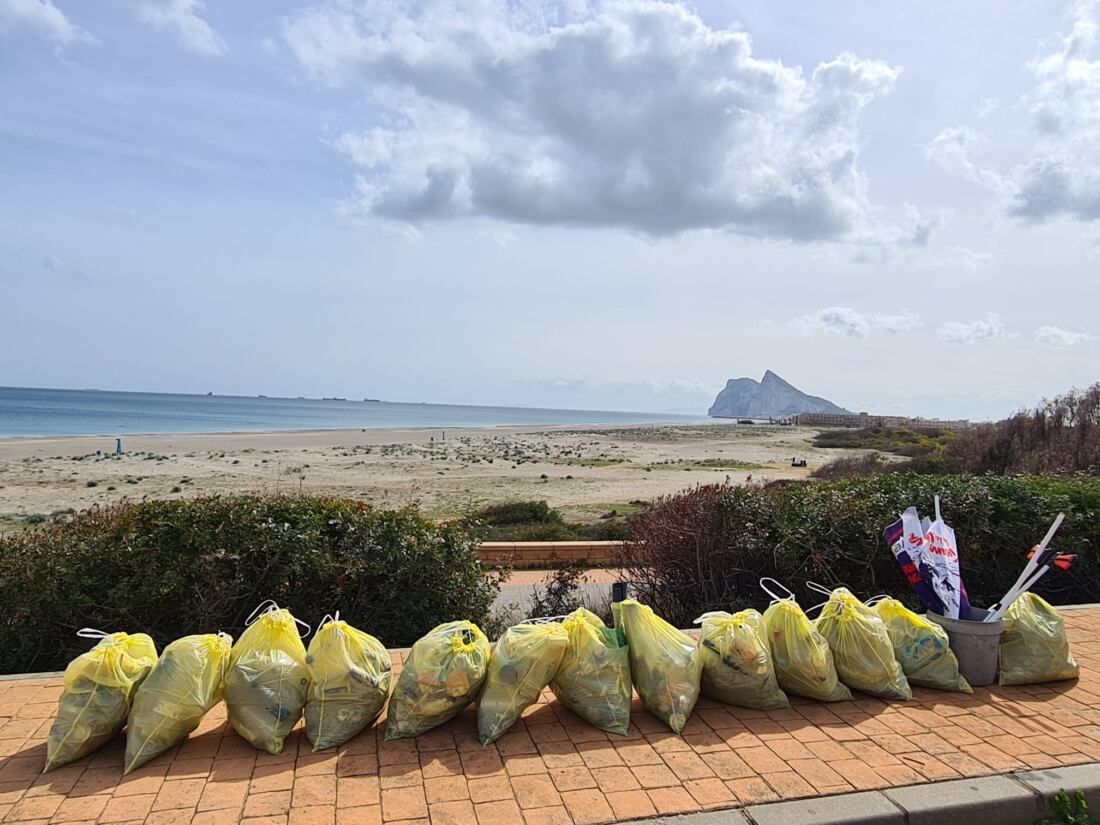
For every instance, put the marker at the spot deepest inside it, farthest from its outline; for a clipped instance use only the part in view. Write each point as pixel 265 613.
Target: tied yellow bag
pixel 443 674
pixel 803 662
pixel 99 688
pixel 664 663
pixel 593 680
pixel 921 648
pixel 862 650
pixel 267 679
pixel 737 666
pixel 183 686
pixel 350 675
pixel 524 660
pixel 1034 647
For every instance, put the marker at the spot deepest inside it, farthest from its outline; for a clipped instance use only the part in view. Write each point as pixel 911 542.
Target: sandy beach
pixel 583 470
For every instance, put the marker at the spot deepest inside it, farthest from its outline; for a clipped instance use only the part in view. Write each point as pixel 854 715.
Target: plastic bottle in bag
pixel 99 688
pixel 350 674
pixel 921 648
pixel 1034 647
pixel 593 679
pixel 803 662
pixel 861 647
pixel 737 665
pixel 524 660
pixel 183 686
pixel 443 674
pixel 664 663
pixel 267 679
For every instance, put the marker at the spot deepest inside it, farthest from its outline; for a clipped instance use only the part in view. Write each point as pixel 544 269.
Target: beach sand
pixel 585 470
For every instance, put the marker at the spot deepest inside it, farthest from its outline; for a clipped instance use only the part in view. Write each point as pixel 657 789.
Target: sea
pixel 52 412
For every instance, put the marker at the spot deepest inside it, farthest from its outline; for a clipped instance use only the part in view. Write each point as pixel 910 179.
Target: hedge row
pixel 707 548
pixel 172 568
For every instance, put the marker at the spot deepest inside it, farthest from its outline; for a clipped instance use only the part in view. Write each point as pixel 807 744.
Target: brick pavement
pixel 551 768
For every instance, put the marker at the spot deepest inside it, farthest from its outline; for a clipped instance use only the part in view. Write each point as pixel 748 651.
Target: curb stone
pixel 1046 783
pixel 988 800
pixel 865 808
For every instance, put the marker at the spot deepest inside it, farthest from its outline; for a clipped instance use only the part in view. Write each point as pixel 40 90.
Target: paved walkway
pixel 552 769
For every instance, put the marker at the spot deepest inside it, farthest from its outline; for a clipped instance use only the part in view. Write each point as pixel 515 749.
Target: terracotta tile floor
pixel 552 769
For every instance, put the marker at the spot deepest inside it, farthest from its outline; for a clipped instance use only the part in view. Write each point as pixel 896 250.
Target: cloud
pixel 846 322
pixel 42 17
pixel 968 260
pixel 594 113
pixel 958 332
pixel 183 16
pixel 1061 338
pixel 1059 176
pixel 65 269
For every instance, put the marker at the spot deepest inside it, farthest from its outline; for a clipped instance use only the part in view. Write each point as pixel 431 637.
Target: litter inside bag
pixel 350 675
pixel 862 650
pixel 921 648
pixel 185 683
pixel 737 666
pixel 801 656
pixel 524 660
pixel 443 674
pixel 265 685
pixel 664 663
pixel 99 688
pixel 593 679
pixel 1034 647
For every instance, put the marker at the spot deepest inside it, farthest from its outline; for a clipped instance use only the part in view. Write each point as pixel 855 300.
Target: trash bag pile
pixel 921 648
pixel 443 674
pixel 862 650
pixel 593 679
pixel 267 679
pixel 802 659
pixel 1034 647
pixel 524 660
pixel 737 665
pixel 350 674
pixel 664 663
pixel 98 691
pixel 185 683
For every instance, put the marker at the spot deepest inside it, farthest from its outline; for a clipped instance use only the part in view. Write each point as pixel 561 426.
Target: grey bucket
pixel 976 644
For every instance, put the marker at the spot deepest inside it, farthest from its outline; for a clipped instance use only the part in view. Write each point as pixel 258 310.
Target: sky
pixel 610 204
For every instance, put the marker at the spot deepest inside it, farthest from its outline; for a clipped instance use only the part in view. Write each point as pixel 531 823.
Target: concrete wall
pixel 548 554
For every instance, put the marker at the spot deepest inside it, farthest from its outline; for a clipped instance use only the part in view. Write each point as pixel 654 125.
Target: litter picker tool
pixel 1039 561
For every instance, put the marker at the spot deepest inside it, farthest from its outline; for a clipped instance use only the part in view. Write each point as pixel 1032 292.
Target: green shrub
pixel 519 512
pixel 170 568
pixel 707 548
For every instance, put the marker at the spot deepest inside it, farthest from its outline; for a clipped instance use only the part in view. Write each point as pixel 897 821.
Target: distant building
pixel 864 420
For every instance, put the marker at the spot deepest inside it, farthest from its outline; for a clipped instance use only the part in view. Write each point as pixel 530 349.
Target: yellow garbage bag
pixel 1034 647
pixel 99 687
pixel 524 660
pixel 185 683
pixel 737 666
pixel 443 674
pixel 862 650
pixel 921 648
pixel 801 656
pixel 664 663
pixel 350 676
pixel 265 685
pixel 593 680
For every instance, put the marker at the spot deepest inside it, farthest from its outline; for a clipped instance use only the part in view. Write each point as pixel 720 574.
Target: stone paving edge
pixel 1004 799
